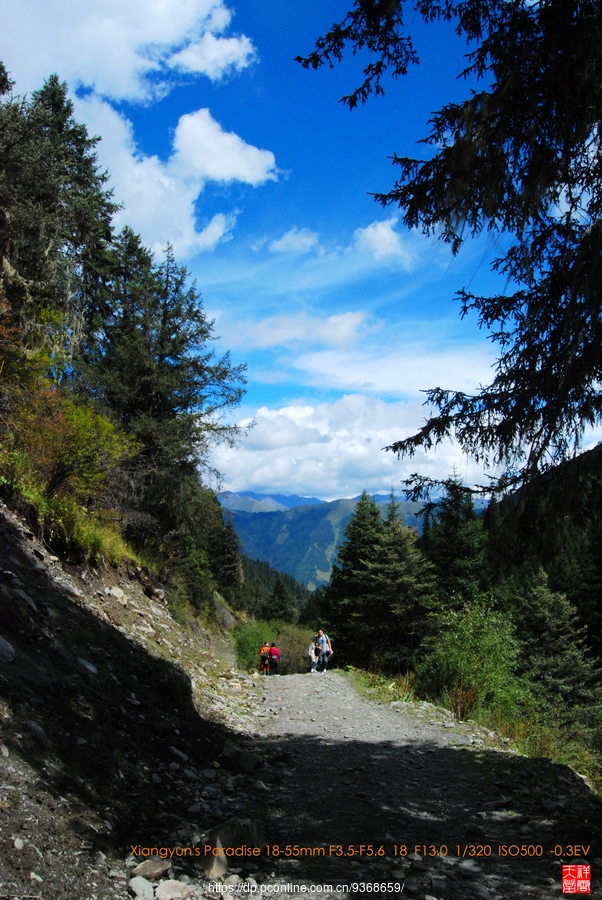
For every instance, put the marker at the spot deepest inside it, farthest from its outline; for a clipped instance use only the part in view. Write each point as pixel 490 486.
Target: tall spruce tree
pixel 380 592
pixel 278 605
pixel 455 546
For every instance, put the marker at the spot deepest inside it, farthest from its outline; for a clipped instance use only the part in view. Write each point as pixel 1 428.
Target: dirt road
pixel 381 794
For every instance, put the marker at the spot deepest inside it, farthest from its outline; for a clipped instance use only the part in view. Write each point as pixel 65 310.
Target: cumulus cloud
pixel 380 240
pixel 295 241
pixel 124 51
pixel 339 330
pixel 159 197
pixel 333 450
pixel 203 151
pixel 213 56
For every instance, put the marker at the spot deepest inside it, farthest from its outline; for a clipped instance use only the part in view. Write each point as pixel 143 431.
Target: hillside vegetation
pixel 111 395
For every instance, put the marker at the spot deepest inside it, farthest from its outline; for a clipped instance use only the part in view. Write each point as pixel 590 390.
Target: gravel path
pixel 404 793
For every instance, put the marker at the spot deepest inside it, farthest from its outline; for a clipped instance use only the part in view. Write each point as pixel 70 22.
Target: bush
pixel 472 666
pixel 292 641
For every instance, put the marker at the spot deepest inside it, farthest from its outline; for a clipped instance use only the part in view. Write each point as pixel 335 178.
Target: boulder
pixel 241 762
pixel 152 868
pixel 141 888
pixel 173 890
pixel 7 651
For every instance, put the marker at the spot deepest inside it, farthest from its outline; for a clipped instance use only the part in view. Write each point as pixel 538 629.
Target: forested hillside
pixel 110 392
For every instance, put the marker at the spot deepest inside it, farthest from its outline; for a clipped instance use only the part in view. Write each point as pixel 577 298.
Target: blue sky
pixel 217 141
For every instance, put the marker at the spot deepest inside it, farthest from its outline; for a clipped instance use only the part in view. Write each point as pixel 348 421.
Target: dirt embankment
pixel 112 724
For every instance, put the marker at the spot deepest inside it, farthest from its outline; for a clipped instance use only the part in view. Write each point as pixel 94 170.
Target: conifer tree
pixel 456 544
pixel 278 605
pixel 380 591
pixel 555 657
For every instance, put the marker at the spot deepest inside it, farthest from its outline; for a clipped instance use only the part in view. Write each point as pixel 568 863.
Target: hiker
pixel 264 657
pixel 313 655
pixel 274 659
pixel 324 649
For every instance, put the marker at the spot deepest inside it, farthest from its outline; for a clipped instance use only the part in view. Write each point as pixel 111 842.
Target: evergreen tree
pixel 154 371
pixel 555 657
pixel 351 583
pixel 456 544
pixel 278 605
pixel 226 560
pixel 55 227
pixel 379 595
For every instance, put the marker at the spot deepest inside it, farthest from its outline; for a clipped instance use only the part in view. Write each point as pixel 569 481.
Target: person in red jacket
pixel 274 659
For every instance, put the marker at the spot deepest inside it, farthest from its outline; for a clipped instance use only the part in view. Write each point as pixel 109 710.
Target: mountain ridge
pixel 302 541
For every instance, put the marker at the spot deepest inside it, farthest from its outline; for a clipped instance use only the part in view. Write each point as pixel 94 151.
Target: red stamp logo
pixel 576 879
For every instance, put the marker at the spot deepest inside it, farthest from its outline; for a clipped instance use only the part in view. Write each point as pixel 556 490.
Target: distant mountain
pixel 302 541
pixel 246 503
pixel 289 501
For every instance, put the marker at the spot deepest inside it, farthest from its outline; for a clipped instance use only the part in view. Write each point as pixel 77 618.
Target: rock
pixel 416 863
pixel 216 863
pixel 223 613
pixel 141 888
pixel 18 844
pixel 22 595
pixel 181 756
pixel 194 808
pixel 232 833
pixel 4 750
pixel 241 762
pixel 232 879
pixel 438 883
pixel 209 774
pixel 468 868
pixel 172 890
pixel 7 651
pixel 260 786
pixel 152 868
pixel 87 666
pixel 117 593
pixel 36 730
pixel 237 833
pixel 70 589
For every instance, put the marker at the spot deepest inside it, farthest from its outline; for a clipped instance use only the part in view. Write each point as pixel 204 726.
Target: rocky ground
pixel 121 731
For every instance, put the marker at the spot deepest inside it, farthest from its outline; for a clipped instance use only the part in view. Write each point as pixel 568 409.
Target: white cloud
pixel 159 197
pixel 123 50
pixel 333 450
pixel 203 151
pixel 214 56
pixel 276 331
pixel 295 241
pixel 380 240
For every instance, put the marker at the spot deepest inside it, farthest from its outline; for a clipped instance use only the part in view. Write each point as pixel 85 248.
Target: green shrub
pixel 471 667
